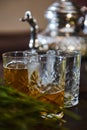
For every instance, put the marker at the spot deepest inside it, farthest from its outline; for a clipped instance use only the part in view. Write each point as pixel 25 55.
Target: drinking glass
pixel 73 64
pixel 46 76
pixel 15 70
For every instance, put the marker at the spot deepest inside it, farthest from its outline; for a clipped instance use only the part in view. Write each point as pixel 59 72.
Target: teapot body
pixel 64 27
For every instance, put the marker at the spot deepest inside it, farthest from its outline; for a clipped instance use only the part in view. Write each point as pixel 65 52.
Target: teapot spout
pixel 33 42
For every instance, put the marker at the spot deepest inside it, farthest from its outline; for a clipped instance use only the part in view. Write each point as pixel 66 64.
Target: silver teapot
pixel 64 30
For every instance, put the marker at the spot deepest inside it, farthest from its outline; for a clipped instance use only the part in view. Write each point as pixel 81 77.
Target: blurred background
pixel 12 10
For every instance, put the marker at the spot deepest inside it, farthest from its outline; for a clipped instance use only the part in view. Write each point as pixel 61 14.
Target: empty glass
pixel 73 63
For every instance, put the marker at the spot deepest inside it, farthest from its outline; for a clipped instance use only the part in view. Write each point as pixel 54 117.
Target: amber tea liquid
pixel 54 98
pixel 51 93
pixel 16 76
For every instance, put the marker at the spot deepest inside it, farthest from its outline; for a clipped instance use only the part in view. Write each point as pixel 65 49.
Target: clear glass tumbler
pixel 46 76
pixel 73 64
pixel 15 70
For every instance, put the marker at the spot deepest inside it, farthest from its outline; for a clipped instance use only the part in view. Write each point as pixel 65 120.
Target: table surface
pixel 81 108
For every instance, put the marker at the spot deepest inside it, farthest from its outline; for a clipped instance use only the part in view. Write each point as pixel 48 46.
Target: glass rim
pixel 14 54
pixel 26 54
pixel 69 53
pixel 43 58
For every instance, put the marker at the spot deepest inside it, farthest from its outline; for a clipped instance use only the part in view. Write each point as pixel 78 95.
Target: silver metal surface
pixel 64 27
pixel 33 42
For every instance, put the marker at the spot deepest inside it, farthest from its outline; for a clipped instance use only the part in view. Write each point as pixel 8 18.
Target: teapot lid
pixel 61 6
pixel 65 14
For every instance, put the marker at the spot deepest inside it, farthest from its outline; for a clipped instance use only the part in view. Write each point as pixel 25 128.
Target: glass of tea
pixel 46 78
pixel 15 70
